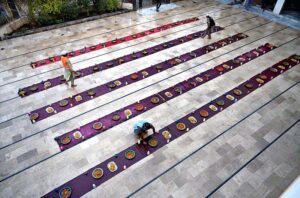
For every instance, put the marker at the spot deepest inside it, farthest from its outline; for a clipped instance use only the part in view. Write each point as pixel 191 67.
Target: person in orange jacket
pixel 69 72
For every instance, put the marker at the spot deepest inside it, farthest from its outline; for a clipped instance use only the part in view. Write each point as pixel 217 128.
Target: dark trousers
pixel 158 4
pixel 209 30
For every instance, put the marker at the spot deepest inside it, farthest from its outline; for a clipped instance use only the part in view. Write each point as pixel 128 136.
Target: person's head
pixel 207 16
pixel 147 125
pixel 64 53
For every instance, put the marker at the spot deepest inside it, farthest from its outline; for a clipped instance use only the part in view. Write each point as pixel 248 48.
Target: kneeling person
pixel 141 130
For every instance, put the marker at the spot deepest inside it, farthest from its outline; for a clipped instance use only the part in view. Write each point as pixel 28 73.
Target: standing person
pixel 69 72
pixel 158 4
pixel 141 130
pixel 210 25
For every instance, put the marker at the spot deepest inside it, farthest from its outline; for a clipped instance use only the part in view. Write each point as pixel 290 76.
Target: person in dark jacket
pixel 141 130
pixel 158 4
pixel 210 25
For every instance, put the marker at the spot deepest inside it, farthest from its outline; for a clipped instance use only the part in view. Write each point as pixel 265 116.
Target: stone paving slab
pixel 199 174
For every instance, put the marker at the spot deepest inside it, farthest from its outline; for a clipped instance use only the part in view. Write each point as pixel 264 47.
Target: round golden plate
pixel 154 100
pixel 49 109
pixel 134 76
pixel 220 102
pixel 120 61
pixel 158 67
pixel 166 134
pixel 241 59
pixel 237 92
pixel 198 79
pixel 281 67
pixel 153 142
pixel 47 84
pixel 181 126
pixel 116 117
pixel 63 103
pixel 285 63
pixel 204 113
pixel 213 107
pixel 97 125
pixel 91 92
pixel 78 98
pixel 263 77
pixel 219 68
pixel 229 97
pixel 249 85
pixel 274 70
pixel 133 56
pixel 145 52
pixel 248 55
pixel 65 140
pixel 130 154
pixel 260 81
pixel 33 88
pixel 97 173
pixel 235 61
pixel 178 89
pixel 118 83
pixel 139 107
pixel 77 135
pixel 192 119
pixel 112 166
pixel 34 116
pixel 65 192
pixel 260 50
pixel 168 94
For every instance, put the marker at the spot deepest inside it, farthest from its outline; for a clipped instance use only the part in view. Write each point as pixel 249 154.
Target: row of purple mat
pixel 84 183
pixel 32 89
pixel 107 121
pixel 113 42
pixel 126 80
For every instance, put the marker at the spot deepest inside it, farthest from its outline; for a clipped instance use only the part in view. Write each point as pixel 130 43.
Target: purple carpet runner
pixel 67 103
pixel 97 175
pixel 113 42
pixel 50 83
pixel 100 125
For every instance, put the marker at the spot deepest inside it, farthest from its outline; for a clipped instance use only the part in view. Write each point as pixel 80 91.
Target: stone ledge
pixel 69 23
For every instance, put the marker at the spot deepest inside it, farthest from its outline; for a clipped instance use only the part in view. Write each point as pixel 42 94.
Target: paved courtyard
pixel 250 149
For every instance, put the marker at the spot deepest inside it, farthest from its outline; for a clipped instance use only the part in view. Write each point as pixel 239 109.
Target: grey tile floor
pixel 30 162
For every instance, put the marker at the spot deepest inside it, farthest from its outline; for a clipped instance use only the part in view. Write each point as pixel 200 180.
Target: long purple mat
pixel 127 80
pixel 113 42
pixel 84 183
pixel 87 131
pixel 35 88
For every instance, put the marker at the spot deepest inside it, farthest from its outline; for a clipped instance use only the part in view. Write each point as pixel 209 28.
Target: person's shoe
pixel 73 85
